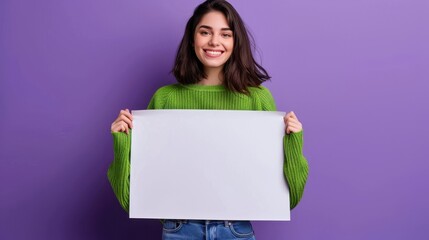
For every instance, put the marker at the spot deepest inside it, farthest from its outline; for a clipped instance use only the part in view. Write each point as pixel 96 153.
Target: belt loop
pixel 184 221
pixel 227 223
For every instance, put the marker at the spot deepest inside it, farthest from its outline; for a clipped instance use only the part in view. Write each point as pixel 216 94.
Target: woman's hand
pixel 123 123
pixel 292 123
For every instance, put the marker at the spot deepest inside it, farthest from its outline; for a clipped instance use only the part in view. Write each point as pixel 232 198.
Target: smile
pixel 213 53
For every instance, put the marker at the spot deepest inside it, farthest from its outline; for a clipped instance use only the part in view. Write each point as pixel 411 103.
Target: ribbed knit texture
pixel 178 96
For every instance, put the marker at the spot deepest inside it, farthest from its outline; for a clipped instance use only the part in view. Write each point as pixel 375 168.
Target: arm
pixel 119 170
pixel 295 167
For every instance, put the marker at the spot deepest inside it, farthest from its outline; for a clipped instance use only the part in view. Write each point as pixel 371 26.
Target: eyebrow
pixel 223 29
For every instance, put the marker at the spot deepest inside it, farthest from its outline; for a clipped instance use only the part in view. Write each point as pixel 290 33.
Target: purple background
pixel 354 72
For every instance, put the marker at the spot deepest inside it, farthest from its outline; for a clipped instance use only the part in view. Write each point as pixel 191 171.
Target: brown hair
pixel 240 71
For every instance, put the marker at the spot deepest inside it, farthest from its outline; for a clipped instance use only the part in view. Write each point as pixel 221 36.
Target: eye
pixel 204 33
pixel 226 35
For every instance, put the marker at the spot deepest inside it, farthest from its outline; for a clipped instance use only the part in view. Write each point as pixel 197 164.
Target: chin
pixel 212 64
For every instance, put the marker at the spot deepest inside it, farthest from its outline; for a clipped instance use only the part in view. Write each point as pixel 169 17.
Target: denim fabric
pixel 207 230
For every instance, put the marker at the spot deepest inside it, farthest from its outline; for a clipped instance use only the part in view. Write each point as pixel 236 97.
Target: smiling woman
pixel 216 70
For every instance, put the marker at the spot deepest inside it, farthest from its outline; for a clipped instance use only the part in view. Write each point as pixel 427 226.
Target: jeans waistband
pixel 206 222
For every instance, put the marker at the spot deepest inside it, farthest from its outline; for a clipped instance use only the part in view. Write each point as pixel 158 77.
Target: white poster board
pixel 209 165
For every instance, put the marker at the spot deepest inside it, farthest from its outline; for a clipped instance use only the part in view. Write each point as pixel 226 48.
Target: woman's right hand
pixel 123 123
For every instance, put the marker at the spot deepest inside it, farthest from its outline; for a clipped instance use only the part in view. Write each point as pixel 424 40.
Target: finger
pixel 118 119
pixel 120 126
pixel 293 120
pixel 287 115
pixel 293 115
pixel 289 119
pixel 293 124
pixel 127 130
pixel 127 113
pixel 286 120
pixel 113 128
pixel 117 127
pixel 130 114
pixel 287 128
pixel 124 127
pixel 126 120
pixel 298 123
pixel 293 129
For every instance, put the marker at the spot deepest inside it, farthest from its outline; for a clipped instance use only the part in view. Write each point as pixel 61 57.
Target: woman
pixel 215 69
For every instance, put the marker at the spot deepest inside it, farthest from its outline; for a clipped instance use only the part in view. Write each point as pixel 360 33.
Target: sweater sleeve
pixel 295 167
pixel 119 170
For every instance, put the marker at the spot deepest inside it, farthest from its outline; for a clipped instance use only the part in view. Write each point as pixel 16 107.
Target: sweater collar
pixel 211 88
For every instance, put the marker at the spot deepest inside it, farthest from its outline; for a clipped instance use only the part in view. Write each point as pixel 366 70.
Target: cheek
pixel 230 45
pixel 197 47
pixel 198 42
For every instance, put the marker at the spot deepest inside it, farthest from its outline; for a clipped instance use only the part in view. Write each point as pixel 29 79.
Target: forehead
pixel 214 19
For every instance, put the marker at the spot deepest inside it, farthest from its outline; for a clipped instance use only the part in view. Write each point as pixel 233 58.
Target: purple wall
pixel 355 73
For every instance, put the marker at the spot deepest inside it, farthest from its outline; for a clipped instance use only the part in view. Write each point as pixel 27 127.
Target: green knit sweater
pixel 178 96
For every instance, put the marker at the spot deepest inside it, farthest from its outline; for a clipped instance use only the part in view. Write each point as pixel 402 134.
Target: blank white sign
pixel 208 164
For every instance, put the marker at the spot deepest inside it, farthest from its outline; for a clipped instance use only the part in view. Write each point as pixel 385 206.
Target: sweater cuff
pixel 296 140
pixel 297 135
pixel 121 143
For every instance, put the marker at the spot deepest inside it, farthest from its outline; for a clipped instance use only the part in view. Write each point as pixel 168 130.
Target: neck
pixel 214 76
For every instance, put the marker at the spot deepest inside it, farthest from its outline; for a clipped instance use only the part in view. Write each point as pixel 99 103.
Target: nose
pixel 214 41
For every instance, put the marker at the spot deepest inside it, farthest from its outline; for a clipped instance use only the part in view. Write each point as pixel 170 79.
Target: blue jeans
pixel 207 230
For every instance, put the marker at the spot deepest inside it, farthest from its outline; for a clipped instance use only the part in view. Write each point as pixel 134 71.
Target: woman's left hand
pixel 292 123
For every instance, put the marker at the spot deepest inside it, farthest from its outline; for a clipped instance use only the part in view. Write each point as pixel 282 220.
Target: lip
pixel 214 50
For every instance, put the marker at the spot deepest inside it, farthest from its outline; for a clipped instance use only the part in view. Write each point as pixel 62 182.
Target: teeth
pixel 214 53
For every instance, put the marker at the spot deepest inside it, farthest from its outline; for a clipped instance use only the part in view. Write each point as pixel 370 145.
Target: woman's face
pixel 213 40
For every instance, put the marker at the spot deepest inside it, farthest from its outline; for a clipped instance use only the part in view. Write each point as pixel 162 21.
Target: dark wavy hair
pixel 240 70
